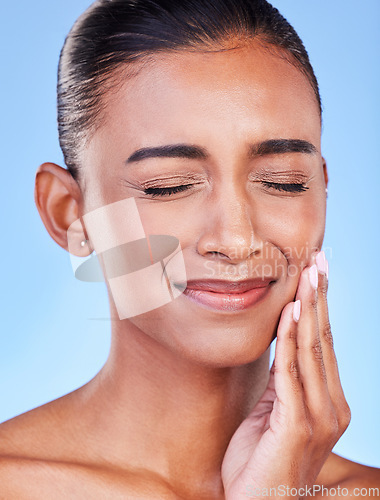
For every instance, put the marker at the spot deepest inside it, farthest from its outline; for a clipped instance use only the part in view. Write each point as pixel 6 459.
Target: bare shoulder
pixel 41 432
pixel 357 479
pixel 31 479
pixel 30 449
pixel 42 455
pixel 26 446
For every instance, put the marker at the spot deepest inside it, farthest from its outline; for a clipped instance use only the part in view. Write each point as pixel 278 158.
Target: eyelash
pixel 164 191
pixel 288 188
pixel 168 191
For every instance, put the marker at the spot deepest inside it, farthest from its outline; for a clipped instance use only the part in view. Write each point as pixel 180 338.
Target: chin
pixel 210 339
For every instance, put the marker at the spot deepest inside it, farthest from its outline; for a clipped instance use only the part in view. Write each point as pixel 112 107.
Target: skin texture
pixel 185 406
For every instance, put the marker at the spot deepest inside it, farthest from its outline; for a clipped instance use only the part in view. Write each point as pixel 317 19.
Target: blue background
pixel 49 343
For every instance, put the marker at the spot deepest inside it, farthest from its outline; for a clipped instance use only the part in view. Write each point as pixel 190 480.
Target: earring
pixel 83 243
pixel 326 192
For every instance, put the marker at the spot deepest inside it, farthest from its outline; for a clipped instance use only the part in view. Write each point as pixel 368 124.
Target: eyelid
pixel 173 180
pixel 280 177
pixel 167 190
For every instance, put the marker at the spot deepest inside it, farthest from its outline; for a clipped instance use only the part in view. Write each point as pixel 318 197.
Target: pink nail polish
pixel 313 276
pixel 297 310
pixel 321 262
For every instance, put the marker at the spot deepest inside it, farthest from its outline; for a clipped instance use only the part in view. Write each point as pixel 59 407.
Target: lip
pixel 225 295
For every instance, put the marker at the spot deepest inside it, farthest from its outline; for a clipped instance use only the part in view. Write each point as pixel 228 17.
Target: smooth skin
pixel 186 406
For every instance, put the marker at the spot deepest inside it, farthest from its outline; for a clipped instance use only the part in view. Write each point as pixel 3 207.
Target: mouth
pixel 225 295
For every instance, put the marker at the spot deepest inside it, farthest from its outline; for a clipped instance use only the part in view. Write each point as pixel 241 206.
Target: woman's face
pixel 254 206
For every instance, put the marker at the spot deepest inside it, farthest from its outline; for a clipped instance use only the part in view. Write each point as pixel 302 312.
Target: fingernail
pixel 297 310
pixel 321 262
pixel 313 276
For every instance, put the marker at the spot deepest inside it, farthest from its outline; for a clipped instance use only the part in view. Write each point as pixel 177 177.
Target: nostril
pixel 233 254
pixel 217 254
pixel 229 245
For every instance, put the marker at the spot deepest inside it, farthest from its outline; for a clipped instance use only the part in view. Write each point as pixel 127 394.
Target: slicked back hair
pixel 114 34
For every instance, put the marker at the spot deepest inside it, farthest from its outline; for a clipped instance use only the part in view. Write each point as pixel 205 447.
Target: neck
pixel 167 415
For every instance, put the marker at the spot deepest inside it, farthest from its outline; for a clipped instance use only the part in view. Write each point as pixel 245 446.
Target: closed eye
pixel 166 191
pixel 287 187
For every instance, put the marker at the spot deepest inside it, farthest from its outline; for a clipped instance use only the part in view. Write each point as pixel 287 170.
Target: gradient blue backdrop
pixel 49 343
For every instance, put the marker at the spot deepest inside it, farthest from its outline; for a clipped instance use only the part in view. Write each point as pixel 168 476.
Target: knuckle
pixel 331 428
pixel 293 369
pixel 317 352
pixel 344 417
pixel 327 334
pixel 313 302
pixel 328 426
pixel 316 349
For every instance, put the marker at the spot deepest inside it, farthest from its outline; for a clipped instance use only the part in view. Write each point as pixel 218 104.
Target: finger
pixel 287 381
pixel 327 344
pixel 310 355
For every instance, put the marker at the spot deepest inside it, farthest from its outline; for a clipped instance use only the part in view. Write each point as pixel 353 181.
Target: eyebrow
pixel 191 152
pixel 170 151
pixel 282 146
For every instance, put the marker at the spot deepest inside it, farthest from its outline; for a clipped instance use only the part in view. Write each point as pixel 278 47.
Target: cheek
pixel 172 218
pixel 296 228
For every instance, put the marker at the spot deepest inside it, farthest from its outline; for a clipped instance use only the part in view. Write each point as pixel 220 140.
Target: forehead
pixel 205 96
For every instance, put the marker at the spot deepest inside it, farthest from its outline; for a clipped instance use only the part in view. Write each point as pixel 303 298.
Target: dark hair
pixel 112 33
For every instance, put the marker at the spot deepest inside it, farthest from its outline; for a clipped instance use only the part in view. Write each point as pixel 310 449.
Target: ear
pixel 59 202
pixel 325 173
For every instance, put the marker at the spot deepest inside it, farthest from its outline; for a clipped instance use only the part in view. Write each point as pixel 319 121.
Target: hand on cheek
pixel 303 411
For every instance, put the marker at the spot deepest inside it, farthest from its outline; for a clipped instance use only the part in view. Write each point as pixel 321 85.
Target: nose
pixel 228 232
